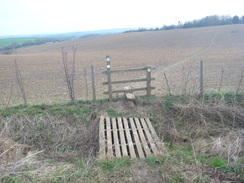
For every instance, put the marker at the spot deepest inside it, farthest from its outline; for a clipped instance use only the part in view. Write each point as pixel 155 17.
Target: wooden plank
pixel 86 84
pixel 109 138
pixel 142 137
pixel 102 142
pixel 116 139
pixel 129 140
pixel 154 135
pixel 137 140
pixel 126 70
pixel 149 137
pixel 129 70
pixel 129 81
pixel 135 89
pixel 122 138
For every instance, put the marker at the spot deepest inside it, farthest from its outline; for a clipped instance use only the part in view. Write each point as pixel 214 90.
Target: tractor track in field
pixel 161 69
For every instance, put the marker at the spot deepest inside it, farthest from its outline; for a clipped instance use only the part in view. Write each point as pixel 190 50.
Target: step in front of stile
pixel 128 137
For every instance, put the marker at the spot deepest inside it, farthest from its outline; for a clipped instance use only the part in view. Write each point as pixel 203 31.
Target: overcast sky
pixel 21 17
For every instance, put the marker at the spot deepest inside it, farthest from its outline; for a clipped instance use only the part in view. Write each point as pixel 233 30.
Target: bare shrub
pixel 215 112
pixel 62 138
pixel 17 167
pixel 20 81
pixel 230 145
pixel 178 122
pixel 69 72
pixel 15 157
pixel 167 83
pixel 221 79
pixel 25 140
pixel 240 82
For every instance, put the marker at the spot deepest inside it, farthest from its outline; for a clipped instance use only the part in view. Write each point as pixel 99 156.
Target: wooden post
pixel 109 79
pixel 85 75
pixel 149 80
pixel 201 78
pixel 93 83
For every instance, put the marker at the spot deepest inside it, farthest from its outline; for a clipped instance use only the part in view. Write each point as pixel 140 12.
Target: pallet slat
pixel 142 137
pixel 136 138
pixel 154 135
pixel 122 137
pixel 116 139
pixel 109 138
pixel 129 139
pixel 150 139
pixel 102 143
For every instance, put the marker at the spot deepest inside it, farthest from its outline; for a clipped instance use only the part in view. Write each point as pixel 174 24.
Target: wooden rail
pixel 128 70
pixel 128 81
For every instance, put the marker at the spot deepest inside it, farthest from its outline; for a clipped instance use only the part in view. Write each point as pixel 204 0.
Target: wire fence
pixel 50 87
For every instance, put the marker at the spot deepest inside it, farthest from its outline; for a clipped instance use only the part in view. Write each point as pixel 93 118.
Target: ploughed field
pixel 176 53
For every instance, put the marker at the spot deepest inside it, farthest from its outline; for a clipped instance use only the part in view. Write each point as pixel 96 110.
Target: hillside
pixel 53 139
pixel 41 66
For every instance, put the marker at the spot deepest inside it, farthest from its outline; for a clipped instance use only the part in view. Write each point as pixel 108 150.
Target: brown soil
pixel 179 51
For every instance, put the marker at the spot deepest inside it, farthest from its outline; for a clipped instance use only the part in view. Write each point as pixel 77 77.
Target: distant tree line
pixel 213 20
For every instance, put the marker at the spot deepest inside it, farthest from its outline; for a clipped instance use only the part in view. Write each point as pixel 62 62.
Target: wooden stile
pixel 109 82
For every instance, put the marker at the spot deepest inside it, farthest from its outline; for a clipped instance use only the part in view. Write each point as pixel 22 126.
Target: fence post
pixel 201 78
pixel 109 78
pixel 93 83
pixel 85 75
pixel 149 80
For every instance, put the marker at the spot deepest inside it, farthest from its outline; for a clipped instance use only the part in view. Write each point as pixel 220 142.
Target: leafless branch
pixel 20 81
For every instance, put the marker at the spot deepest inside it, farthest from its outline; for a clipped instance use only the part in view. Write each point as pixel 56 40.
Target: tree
pixel 235 20
pixel 242 19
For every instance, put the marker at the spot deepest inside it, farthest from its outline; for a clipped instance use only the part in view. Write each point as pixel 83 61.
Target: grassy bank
pixel 9 41
pixel 59 143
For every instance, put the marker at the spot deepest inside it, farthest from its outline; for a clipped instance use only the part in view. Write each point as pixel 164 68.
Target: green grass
pixel 155 161
pixel 114 113
pixel 219 162
pixel 9 41
pixel 78 107
pixel 110 165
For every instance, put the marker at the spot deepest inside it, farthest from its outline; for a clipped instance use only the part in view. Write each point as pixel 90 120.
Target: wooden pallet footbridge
pixel 128 137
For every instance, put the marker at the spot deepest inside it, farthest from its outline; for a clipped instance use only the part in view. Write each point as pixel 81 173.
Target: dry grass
pixel 42 70
pixel 63 147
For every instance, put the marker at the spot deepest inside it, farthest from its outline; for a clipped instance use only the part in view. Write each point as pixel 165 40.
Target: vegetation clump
pixel 204 138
